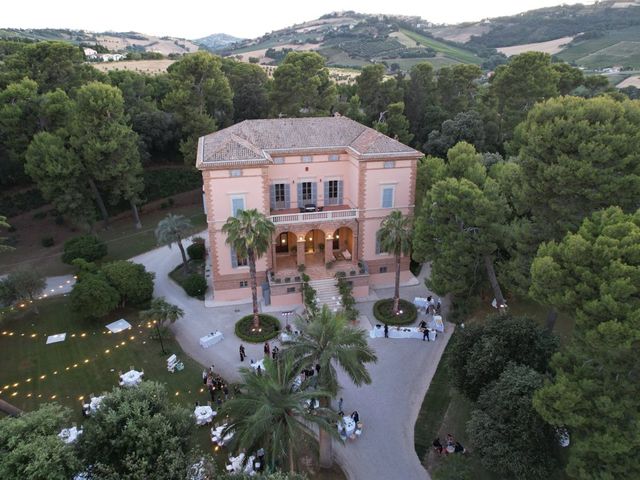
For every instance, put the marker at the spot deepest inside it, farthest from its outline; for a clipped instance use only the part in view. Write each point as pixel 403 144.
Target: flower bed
pixel 269 328
pixel 383 311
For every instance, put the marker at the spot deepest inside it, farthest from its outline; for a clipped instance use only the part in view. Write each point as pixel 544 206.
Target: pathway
pixel 388 407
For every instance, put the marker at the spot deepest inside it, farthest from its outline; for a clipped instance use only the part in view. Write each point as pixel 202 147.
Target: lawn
pixel 583 50
pixel 88 361
pixel 122 238
pixel 450 51
pixel 444 410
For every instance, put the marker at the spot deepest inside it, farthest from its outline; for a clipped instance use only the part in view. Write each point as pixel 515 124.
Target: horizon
pixel 225 19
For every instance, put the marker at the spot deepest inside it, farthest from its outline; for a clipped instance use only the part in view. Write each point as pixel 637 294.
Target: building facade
pixel 326 183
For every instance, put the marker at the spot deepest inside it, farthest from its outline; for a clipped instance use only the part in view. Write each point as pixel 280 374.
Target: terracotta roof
pixel 256 141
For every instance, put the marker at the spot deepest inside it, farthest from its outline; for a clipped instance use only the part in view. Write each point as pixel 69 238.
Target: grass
pixel 122 238
pixel 82 363
pixel 455 53
pixel 383 311
pixel 269 328
pixel 179 276
pixel 445 410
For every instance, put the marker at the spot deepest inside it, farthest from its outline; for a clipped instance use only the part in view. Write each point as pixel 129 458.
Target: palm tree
pixel 395 237
pixel 249 233
pixel 270 414
pixel 160 312
pixel 173 229
pixel 328 340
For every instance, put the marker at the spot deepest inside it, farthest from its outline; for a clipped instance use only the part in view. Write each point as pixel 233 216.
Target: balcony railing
pixel 324 216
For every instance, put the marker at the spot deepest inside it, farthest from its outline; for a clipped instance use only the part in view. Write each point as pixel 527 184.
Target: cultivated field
pixel 454 53
pixel 150 67
pixel 164 45
pixel 552 47
pixel 630 82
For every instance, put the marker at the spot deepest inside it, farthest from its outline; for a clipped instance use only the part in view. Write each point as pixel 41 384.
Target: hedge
pixel 269 326
pixel 196 251
pixel 195 285
pixel 87 247
pixel 383 311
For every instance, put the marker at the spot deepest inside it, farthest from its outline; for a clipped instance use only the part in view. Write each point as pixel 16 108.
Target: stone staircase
pixel 327 292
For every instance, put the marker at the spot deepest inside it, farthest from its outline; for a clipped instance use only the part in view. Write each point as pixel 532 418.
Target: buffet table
pixel 211 339
pixel 402 332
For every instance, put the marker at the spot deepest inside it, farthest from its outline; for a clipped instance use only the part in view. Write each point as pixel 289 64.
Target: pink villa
pixel 325 182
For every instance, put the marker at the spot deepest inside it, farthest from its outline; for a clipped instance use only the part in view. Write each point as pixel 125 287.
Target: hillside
pixel 595 36
pixel 349 39
pixel 217 41
pixel 112 41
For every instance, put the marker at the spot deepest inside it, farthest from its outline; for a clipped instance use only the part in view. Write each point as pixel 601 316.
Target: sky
pixel 248 18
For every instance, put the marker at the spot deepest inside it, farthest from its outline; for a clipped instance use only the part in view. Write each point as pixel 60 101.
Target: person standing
pixel 425 334
pixel 267 349
pixel 340 404
pixel 242 353
pixel 204 376
pixel 386 331
pixel 274 352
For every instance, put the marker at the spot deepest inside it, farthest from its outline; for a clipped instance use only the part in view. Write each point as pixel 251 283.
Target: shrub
pixel 93 297
pixel 196 251
pixel 47 241
pixel 17 203
pixel 87 247
pixel 383 311
pixel 39 215
pixel 269 328
pixel 131 280
pixel 195 285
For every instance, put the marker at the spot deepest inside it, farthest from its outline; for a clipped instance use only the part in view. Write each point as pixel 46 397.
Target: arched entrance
pixel 285 250
pixel 314 244
pixel 343 244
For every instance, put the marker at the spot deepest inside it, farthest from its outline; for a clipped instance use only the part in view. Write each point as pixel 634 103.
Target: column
pixel 300 252
pixel 328 248
pixel 356 248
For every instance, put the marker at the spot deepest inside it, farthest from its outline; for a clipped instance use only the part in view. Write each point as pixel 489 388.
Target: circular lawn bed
pixel 383 311
pixel 269 328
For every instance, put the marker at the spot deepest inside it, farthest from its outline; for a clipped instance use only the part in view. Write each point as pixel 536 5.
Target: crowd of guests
pixel 218 390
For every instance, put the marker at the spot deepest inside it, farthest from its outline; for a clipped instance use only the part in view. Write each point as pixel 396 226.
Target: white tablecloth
pixel 132 378
pixel 260 363
pixel 69 435
pixel 404 332
pixel 235 463
pixel 94 405
pixel 437 323
pixel 216 435
pixel 211 339
pixel 204 415
pixel 348 425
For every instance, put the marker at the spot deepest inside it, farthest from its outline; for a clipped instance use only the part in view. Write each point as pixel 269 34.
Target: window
pixel 235 173
pixel 279 196
pixel 244 283
pixel 333 192
pixel 237 204
pixel 334 157
pixel 237 261
pixel 291 289
pixel 307 193
pixel 278 160
pixel 379 249
pixel 383 269
pixel 387 196
pixel 389 164
pixel 307 159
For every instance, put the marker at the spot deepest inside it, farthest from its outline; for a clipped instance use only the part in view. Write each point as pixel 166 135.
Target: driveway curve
pixel 388 407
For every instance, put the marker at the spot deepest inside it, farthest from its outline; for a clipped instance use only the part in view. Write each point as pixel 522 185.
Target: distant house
pixel 90 53
pixel 112 57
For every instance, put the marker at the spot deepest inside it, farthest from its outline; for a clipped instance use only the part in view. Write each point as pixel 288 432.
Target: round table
pixel 204 414
pixel 131 378
pixel 349 425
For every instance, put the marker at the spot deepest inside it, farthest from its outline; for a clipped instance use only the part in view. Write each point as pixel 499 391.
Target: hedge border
pixel 243 325
pixel 409 315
